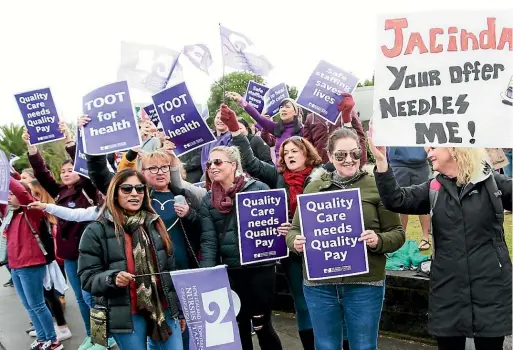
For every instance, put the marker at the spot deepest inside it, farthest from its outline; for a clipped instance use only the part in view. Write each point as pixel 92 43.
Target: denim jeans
pixel 139 340
pixel 28 282
pixel 507 168
pixel 83 297
pixel 293 268
pixel 356 306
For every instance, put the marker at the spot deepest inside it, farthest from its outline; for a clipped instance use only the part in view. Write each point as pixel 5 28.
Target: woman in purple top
pixel 288 125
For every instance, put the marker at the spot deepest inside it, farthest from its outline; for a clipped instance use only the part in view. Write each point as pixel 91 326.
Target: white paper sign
pixel 444 79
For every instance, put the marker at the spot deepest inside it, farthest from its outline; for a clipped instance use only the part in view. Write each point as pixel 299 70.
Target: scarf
pixel 296 181
pixel 343 182
pixel 223 200
pixel 149 303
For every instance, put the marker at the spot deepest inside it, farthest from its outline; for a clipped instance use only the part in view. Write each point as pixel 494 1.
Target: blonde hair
pixel 158 156
pixel 233 155
pixel 39 193
pixel 469 162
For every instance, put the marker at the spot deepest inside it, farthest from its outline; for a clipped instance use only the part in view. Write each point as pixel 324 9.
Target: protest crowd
pixel 296 190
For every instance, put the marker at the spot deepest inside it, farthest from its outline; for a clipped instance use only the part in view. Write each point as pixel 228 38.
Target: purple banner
pixel 332 222
pixel 181 120
pixel 152 114
pixel 40 116
pixel 259 214
pixel 5 174
pixel 80 162
pixel 113 126
pixel 273 98
pixel 208 308
pixel 255 95
pixel 322 92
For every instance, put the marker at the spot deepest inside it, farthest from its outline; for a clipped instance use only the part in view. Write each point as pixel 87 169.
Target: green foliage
pixel 370 156
pixel 11 141
pixel 236 82
pixel 367 82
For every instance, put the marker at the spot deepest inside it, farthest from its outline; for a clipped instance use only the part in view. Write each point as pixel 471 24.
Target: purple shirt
pixel 269 125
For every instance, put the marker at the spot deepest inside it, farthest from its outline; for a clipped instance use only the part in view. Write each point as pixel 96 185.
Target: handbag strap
pixel 36 235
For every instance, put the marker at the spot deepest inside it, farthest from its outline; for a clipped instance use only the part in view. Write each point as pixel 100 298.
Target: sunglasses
pixel 155 169
pixel 127 189
pixel 355 154
pixel 216 162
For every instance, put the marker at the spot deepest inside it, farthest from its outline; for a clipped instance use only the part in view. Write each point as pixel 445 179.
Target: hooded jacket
pixel 470 285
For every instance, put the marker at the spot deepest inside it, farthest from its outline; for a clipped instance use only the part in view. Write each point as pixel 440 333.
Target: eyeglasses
pixel 127 189
pixel 155 169
pixel 342 155
pixel 216 162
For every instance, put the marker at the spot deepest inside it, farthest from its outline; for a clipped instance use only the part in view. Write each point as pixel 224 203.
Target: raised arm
pixel 265 123
pixel 73 214
pixel 20 192
pixel 99 173
pixel 257 168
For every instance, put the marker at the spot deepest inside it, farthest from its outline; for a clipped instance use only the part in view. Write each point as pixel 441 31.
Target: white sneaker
pixel 63 333
pixel 32 333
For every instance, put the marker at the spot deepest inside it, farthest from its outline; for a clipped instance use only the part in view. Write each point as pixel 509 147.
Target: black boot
pixel 345 345
pixel 307 339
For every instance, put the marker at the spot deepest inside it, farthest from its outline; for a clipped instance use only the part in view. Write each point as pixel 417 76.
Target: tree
pixel 237 82
pixel 367 82
pixel 11 141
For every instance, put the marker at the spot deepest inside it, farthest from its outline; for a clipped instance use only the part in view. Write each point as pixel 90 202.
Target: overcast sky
pixel 73 47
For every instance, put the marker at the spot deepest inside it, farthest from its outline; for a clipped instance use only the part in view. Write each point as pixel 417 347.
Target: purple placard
pixel 80 162
pixel 40 116
pixel 5 174
pixel 255 95
pixel 322 92
pixel 332 222
pixel 113 126
pixel 208 308
pixel 181 120
pixel 151 112
pixel 273 98
pixel 259 215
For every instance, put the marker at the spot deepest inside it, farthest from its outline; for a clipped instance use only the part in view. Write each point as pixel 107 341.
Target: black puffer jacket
pixel 213 225
pixel 261 150
pixel 102 256
pixel 470 286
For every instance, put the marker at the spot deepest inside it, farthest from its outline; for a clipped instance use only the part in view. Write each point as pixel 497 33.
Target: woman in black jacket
pixel 254 284
pixel 470 285
pixel 129 240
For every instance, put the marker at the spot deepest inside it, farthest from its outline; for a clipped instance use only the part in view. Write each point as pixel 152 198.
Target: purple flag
pixel 273 97
pixel 80 162
pixel 181 120
pixel 255 95
pixel 208 308
pixel 5 174
pixel 199 55
pixel 323 90
pixel 152 114
pixel 40 116
pixel 332 222
pixel 113 126
pixel 259 215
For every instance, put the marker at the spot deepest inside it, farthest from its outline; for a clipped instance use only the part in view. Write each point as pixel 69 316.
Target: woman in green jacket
pixel 355 301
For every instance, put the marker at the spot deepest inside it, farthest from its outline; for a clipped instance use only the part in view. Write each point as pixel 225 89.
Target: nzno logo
pixel 217 332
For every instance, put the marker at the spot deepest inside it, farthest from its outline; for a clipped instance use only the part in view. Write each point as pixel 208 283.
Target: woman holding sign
pixel 288 125
pixel 122 257
pixel 355 301
pixel 297 159
pixel 470 286
pixel 219 245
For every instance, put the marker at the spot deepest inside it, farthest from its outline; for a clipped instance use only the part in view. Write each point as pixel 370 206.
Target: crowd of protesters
pixel 140 214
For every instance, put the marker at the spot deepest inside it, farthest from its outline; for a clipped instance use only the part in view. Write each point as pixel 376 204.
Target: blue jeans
pixel 507 168
pixel 138 339
pixel 293 269
pixel 28 282
pixel 356 306
pixel 83 297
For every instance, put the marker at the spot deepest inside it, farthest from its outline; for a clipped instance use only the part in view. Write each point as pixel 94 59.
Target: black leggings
pixel 55 306
pixel 255 288
pixel 458 343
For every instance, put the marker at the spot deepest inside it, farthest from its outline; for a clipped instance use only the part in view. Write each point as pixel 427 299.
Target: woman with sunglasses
pixel 254 284
pixel 297 159
pixel 129 240
pixel 288 125
pixel 354 301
